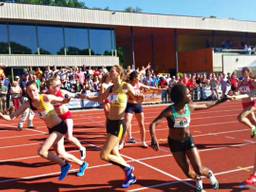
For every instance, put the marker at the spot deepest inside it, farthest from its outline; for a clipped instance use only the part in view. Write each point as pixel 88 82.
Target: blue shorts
pixel 134 108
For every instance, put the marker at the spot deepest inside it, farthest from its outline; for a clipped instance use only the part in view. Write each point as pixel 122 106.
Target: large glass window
pixel 23 39
pixel 76 41
pixel 101 41
pixel 3 39
pixel 51 40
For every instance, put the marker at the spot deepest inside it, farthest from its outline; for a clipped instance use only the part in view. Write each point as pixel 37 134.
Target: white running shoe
pixel 213 180
pixel 199 186
pixel 83 153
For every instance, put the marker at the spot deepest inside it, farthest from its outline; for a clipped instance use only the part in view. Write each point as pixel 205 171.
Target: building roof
pixel 75 16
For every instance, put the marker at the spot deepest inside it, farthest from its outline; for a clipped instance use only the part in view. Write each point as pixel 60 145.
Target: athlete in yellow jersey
pixel 42 105
pixel 117 96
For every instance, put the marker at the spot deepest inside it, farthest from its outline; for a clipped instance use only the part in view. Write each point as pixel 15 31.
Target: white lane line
pixel 103 165
pixel 159 170
pixel 175 182
pixel 20 145
pixel 14 137
pixel 228 137
pixel 195 136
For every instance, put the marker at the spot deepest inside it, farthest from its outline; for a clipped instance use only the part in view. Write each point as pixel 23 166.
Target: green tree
pixel 62 3
pixel 133 10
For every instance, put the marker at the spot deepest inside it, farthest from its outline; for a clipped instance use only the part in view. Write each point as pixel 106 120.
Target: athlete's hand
pixel 155 144
pixel 66 98
pixel 231 97
pixel 78 95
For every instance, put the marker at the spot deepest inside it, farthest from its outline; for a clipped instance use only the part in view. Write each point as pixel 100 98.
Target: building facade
pixel 34 35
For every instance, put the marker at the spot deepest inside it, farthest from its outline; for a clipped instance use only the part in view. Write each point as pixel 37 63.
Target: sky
pixel 234 9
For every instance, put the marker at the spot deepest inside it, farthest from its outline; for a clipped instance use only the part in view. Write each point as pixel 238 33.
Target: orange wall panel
pixel 196 61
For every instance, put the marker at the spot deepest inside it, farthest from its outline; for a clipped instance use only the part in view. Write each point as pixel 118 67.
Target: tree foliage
pixel 62 3
pixel 133 10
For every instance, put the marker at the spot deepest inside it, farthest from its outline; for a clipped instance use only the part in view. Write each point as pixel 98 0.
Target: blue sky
pixel 237 9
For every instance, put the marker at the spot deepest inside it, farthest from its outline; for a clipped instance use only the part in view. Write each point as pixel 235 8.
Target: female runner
pixel 117 95
pixel 65 114
pixel 42 105
pixel 180 139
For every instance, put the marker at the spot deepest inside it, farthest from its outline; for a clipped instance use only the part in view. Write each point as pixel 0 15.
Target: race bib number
pixel 244 89
pixel 182 122
pixel 113 98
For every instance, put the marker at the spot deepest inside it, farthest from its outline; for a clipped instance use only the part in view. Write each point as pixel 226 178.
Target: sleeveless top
pixel 246 87
pixel 118 98
pixel 45 109
pixel 179 120
pixel 58 94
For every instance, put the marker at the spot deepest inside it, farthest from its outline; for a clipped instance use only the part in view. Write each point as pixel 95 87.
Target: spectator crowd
pixel 203 86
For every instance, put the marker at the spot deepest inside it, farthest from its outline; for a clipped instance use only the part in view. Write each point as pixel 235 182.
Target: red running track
pixel 225 146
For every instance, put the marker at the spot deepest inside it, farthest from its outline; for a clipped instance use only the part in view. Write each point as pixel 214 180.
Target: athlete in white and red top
pixel 65 114
pixel 134 106
pixel 247 87
pixel 246 92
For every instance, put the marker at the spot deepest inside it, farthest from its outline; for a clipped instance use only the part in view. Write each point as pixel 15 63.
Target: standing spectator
pixel 3 93
pixel 214 86
pixel 223 85
pixel 7 84
pixel 28 113
pixel 39 73
pixel 164 86
pixel 16 93
pixel 81 77
pixel 48 73
pixel 234 83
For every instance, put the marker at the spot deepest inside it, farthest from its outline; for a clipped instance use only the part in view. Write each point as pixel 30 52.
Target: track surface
pixel 224 143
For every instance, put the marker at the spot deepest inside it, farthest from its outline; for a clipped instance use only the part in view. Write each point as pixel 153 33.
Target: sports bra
pixel 177 120
pixel 45 108
pixel 118 98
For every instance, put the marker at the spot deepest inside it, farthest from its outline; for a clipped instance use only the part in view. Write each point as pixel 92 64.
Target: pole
pixel 133 51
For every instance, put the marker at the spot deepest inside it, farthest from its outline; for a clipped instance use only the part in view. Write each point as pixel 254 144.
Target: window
pixel 3 39
pixel 101 41
pixel 23 39
pixel 76 41
pixel 51 40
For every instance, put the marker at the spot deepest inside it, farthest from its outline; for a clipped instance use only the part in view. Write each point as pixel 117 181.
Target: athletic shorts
pixel 181 146
pixel 61 128
pixel 133 108
pixel 67 115
pixel 116 127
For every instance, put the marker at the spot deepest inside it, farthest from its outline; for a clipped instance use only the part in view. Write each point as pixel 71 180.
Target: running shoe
pixel 131 140
pixel 129 181
pixel 129 171
pixel 251 180
pixel 253 132
pixel 64 171
pixel 83 167
pixel 20 127
pixel 144 145
pixel 213 180
pixel 199 186
pixel 83 153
